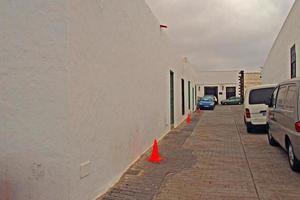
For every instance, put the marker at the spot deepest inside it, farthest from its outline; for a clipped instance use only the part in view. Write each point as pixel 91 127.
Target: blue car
pixel 207 102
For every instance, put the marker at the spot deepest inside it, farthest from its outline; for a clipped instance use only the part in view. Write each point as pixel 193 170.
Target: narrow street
pixel 212 158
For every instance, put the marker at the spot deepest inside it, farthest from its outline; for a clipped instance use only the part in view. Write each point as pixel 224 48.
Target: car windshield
pixel 260 96
pixel 207 98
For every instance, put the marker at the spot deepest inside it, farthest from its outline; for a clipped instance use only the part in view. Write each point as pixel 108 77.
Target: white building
pixel 251 78
pixel 222 84
pixel 85 89
pixel 282 63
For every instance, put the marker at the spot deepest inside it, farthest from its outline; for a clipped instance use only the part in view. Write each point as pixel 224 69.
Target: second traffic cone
pixel 188 119
pixel 155 158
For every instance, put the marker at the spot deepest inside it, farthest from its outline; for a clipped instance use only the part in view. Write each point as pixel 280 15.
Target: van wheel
pixel 271 140
pixel 249 128
pixel 294 162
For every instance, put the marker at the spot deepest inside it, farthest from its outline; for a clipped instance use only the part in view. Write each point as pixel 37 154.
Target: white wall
pixel 218 77
pixel 33 129
pixel 82 82
pixel 277 67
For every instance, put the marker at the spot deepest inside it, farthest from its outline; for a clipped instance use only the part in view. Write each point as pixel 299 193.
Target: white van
pixel 255 108
pixel 284 120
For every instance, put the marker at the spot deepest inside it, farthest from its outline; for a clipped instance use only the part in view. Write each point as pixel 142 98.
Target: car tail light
pixel 248 115
pixel 297 126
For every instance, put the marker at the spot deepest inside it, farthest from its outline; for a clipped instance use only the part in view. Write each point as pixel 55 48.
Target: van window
pixel 290 98
pixel 281 97
pixel 260 96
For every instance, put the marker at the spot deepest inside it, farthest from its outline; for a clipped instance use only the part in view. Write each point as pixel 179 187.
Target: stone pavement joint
pixel 250 170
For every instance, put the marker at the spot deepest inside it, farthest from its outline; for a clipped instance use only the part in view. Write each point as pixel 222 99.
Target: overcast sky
pixel 223 34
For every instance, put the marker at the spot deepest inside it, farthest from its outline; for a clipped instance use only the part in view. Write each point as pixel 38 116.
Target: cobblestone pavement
pixel 213 158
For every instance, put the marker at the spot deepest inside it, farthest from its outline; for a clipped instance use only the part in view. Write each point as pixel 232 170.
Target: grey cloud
pixel 223 33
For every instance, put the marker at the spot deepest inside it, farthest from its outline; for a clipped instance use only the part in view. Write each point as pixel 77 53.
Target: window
pixel 260 96
pixel 281 97
pixel 274 96
pixel 293 61
pixel 290 98
pixel 182 97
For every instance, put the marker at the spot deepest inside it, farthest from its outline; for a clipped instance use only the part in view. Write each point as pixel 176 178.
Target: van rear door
pixel 257 106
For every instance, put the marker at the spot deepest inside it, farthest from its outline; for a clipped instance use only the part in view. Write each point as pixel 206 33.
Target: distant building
pixel 251 79
pixel 222 84
pixel 281 63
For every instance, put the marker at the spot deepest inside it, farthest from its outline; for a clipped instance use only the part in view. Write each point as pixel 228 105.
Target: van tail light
pixel 297 126
pixel 248 115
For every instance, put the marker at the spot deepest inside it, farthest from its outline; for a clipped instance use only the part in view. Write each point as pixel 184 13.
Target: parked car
pixel 231 101
pixel 207 102
pixel 255 108
pixel 284 120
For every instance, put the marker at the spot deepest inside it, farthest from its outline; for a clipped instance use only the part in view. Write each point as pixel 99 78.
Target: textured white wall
pixel 277 67
pixel 81 82
pixel 33 137
pixel 118 87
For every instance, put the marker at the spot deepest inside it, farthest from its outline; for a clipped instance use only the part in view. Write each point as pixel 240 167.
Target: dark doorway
pixel 196 94
pixel 230 92
pixel 193 100
pixel 211 91
pixel 189 94
pixel 172 118
pixel 182 97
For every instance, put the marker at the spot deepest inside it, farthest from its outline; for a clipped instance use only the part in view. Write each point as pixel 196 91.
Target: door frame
pixel 172 99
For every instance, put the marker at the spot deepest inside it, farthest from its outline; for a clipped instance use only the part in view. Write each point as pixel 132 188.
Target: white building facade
pixel 282 63
pixel 86 86
pixel 222 84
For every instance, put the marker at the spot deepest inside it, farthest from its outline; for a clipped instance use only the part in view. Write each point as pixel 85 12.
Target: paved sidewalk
pixel 144 179
pixel 213 158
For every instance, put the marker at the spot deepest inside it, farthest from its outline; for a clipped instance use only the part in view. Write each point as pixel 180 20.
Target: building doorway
pixel 230 92
pixel 193 99
pixel 172 117
pixel 189 94
pixel 211 91
pixel 182 97
pixel 196 95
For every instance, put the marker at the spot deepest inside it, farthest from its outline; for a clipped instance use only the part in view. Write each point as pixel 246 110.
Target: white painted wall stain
pixel 81 81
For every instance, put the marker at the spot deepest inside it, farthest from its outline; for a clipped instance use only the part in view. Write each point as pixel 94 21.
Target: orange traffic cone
pixel 188 119
pixel 155 154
